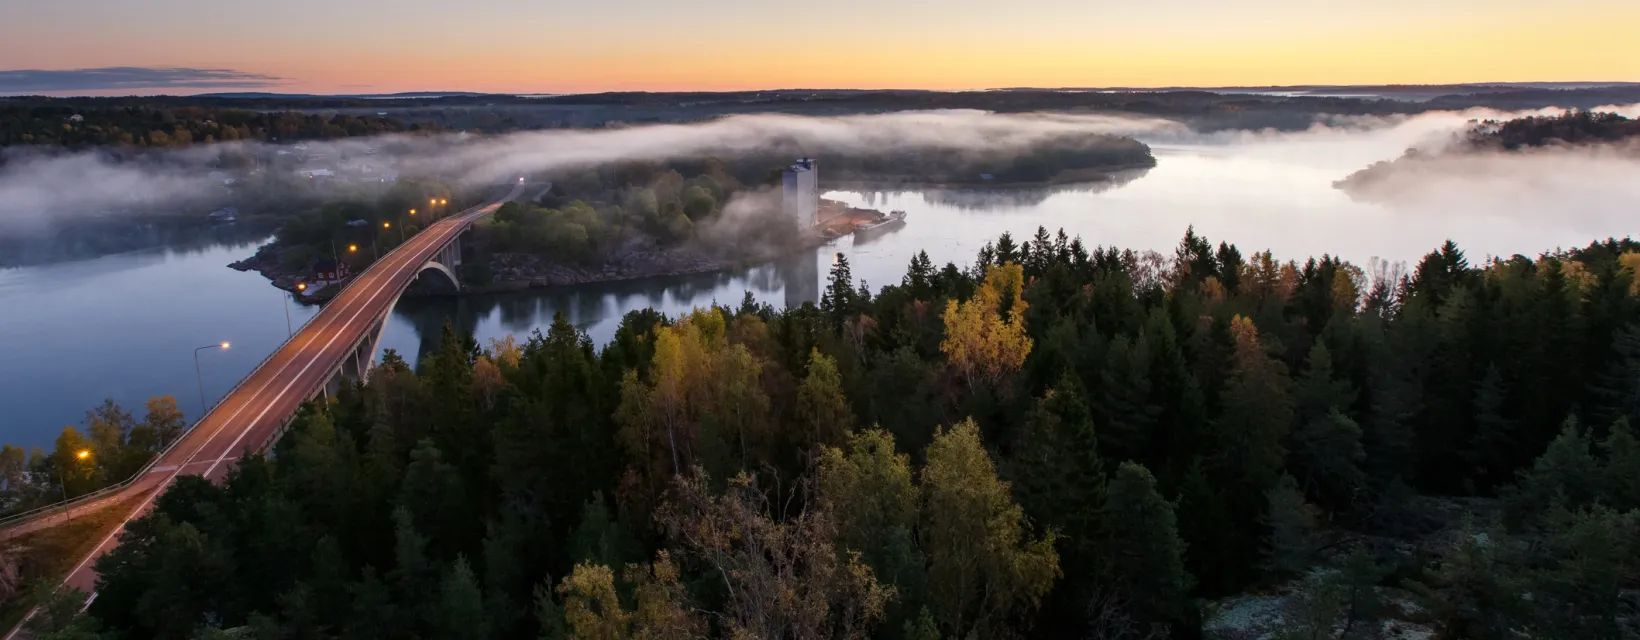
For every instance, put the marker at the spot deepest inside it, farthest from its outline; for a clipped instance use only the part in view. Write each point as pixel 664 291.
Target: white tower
pixel 800 193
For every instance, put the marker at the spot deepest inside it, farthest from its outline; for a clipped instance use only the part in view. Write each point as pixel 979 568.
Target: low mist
pixel 1277 184
pixel 37 187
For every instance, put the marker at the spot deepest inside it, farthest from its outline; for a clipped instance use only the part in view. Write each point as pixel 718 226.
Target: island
pixel 1571 130
pixel 639 219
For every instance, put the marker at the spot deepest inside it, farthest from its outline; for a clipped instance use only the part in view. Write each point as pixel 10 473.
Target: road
pixel 247 420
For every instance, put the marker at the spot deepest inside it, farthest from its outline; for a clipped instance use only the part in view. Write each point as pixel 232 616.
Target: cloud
pixel 129 78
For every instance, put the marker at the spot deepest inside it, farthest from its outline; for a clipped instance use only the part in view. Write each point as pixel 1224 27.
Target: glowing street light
pixel 352 248
pixel 412 212
pixel 200 378
pixel 300 287
pixel 62 481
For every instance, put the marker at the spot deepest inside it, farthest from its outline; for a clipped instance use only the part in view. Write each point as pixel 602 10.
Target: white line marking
pixel 229 420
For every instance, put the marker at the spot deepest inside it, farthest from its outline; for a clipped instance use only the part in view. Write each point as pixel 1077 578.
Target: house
pixel 329 271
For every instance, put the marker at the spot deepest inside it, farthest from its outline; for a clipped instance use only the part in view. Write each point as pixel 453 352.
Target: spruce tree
pixel 1146 554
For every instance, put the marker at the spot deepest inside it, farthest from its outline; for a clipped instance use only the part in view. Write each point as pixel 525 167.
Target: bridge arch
pixel 449 275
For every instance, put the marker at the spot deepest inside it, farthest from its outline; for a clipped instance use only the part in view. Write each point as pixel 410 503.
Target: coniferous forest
pixel 1058 441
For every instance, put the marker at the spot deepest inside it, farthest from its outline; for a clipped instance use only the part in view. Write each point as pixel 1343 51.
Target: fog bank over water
pixel 1274 190
pixel 1257 190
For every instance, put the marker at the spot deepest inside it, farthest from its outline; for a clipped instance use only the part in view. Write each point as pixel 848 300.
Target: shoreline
pixel 1070 176
pixel 529 272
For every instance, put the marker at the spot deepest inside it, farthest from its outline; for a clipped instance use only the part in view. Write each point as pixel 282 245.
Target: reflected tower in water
pixel 801 276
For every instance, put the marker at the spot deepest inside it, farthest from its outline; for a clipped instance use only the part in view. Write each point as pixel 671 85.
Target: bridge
pixel 338 343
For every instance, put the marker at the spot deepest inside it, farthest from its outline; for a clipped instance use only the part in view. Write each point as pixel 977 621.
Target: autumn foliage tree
pixel 985 338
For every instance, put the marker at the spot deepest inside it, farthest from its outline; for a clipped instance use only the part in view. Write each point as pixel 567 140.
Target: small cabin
pixel 329 270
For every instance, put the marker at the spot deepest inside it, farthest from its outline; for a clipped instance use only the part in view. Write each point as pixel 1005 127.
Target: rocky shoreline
pixel 520 271
pixel 266 262
pixel 516 271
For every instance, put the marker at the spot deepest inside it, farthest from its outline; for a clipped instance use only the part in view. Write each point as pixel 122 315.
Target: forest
pixel 150 126
pixel 1057 441
pixel 594 214
pixel 1567 130
pixel 1571 127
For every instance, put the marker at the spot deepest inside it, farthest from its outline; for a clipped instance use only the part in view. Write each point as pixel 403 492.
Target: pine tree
pixel 460 613
pixel 1289 524
pixel 839 300
pixel 1325 445
pixel 1257 412
pixel 1146 554
pixel 1491 451
pixel 1566 473
pixel 1122 408
pixel 1061 478
pixel 821 406
pixel 919 277
pixel 1622 474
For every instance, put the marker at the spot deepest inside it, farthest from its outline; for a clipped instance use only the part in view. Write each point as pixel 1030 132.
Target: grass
pixel 52 552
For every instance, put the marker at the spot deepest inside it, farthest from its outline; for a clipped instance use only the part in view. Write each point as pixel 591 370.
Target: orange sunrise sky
pixel 519 46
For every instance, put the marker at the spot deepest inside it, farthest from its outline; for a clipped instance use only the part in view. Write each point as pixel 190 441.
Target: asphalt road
pixel 252 415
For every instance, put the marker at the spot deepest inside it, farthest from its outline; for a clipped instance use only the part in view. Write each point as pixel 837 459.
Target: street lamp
pixel 300 287
pixel 200 378
pixel 62 481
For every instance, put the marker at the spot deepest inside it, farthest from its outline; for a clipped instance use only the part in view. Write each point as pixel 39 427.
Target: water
pixel 124 326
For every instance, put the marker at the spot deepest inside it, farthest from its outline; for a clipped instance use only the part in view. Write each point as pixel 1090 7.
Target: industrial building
pixel 800 193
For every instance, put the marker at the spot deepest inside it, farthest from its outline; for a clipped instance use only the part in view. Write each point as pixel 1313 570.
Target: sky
pixel 101 47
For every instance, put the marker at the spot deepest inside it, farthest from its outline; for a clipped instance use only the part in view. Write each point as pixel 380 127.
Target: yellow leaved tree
pixel 985 337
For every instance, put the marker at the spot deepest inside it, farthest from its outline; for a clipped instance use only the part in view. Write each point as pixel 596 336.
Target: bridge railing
pixel 79 501
pixel 64 506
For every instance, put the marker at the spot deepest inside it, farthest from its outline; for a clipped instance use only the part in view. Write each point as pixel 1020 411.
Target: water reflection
pixel 98 238
pixel 598 308
pixel 1004 199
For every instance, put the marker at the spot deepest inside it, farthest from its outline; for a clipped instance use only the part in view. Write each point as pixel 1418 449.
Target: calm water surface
pixel 124 326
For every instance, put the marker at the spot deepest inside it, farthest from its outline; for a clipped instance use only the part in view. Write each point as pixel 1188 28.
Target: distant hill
pixel 355 96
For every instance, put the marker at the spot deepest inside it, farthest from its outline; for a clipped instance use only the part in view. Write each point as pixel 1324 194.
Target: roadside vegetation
pixel 113 446
pixel 1056 441
pixel 33 564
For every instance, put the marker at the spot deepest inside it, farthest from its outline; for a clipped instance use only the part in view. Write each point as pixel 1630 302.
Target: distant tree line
pixel 1571 127
pixel 163 127
pixel 1058 441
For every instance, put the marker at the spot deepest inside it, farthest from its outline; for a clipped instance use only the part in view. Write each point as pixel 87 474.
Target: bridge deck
pixel 255 412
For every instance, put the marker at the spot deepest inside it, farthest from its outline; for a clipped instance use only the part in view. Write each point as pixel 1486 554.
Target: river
pixel 125 326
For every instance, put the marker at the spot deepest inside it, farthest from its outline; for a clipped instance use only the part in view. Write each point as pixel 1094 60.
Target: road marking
pixel 456 221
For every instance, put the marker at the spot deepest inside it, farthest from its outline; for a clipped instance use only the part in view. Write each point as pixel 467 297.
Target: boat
pixel 892 220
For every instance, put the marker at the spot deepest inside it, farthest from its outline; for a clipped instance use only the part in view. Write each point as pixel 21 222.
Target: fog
pixel 38 186
pixel 1586 185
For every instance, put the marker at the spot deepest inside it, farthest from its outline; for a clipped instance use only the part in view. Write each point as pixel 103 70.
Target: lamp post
pixel 389 225
pixel 300 287
pixel 290 332
pixel 200 377
pixel 62 481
